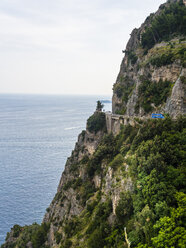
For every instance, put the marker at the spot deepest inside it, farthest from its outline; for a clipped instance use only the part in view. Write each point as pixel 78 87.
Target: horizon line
pixel 54 94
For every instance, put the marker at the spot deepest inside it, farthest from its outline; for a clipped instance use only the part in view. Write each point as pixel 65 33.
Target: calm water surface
pixel 37 134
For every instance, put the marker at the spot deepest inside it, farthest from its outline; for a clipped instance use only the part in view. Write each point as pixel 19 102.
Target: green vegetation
pixel 158 180
pixel 35 233
pixel 124 89
pixel 66 244
pixel 172 229
pixel 153 212
pixel 99 106
pixel 153 92
pixel 96 122
pixel 87 190
pixel 166 55
pixel 16 230
pixel 58 237
pixel 117 161
pixel 124 208
pixel 121 111
pixel 106 150
pixel 183 80
pixel 118 89
pixel 132 57
pixel 164 26
pixel 40 236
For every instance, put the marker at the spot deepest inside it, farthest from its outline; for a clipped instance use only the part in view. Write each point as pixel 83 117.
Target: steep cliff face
pixel 92 178
pixel 153 56
pixel 119 176
pixel 69 201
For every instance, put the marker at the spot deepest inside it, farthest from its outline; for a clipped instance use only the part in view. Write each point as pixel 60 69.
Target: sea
pixel 37 134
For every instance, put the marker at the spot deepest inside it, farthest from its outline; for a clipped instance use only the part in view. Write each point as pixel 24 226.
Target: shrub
pixel 16 230
pixel 87 191
pixel 39 238
pixel 78 182
pixel 96 239
pixel 58 237
pixel 163 59
pixel 67 244
pixel 132 57
pixel 68 184
pixel 124 208
pixel 118 89
pixel 91 206
pixel 96 122
pixel 71 227
pixel 168 56
pixel 183 80
pixel 123 90
pixel 153 92
pixel 117 161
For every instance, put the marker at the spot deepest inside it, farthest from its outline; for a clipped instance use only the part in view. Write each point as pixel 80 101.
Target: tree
pixel 99 106
pixel 172 231
pixel 96 122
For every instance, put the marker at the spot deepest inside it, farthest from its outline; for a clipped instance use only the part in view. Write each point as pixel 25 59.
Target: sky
pixel 66 46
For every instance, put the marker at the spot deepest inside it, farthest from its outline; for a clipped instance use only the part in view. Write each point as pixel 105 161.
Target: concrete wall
pixel 114 122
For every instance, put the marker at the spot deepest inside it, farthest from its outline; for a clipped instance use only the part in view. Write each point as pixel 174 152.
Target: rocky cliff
pixel 153 56
pixel 119 188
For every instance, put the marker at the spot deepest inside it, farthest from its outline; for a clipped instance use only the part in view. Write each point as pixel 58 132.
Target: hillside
pixel 152 73
pixel 124 183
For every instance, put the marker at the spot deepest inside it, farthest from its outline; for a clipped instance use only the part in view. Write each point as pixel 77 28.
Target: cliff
pixel 152 72
pixel 124 183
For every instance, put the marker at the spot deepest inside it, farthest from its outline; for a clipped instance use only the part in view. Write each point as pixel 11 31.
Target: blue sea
pixel 37 134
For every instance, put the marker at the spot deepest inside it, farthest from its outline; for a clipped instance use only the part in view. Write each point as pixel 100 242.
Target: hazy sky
pixel 66 46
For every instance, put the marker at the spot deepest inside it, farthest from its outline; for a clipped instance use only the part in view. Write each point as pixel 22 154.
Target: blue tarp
pixel 157 116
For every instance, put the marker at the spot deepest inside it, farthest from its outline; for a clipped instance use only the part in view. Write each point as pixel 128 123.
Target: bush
pixel 68 184
pixel 77 183
pixel 96 239
pixel 96 122
pixel 168 56
pixel 87 191
pixel 153 92
pixel 117 161
pixel 161 60
pixel 124 208
pixel 105 150
pixel 67 244
pixel 39 238
pixel 101 213
pixel 58 237
pixel 16 230
pixel 132 57
pixel 123 90
pixel 71 227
